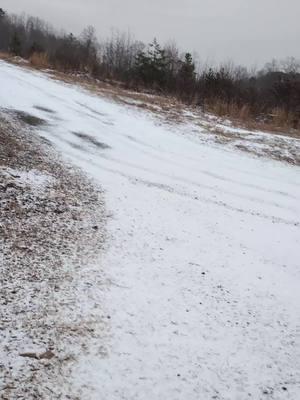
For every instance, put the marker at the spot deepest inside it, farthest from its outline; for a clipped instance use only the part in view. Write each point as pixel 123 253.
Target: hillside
pixel 180 276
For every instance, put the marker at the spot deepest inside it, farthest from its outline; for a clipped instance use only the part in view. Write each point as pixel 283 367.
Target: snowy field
pixel 203 252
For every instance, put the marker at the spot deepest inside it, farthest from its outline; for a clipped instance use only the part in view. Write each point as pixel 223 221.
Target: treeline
pixel 269 95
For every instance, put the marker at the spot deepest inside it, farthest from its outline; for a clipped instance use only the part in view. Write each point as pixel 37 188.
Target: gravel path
pixel 52 236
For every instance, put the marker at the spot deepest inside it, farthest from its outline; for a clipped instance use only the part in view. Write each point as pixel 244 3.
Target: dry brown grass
pixel 233 110
pixel 278 121
pixel 4 55
pixel 221 108
pixel 39 60
pixel 282 118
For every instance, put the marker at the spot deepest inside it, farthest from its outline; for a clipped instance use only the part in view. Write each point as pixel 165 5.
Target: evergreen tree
pixel 187 69
pixel 152 66
pixel 186 77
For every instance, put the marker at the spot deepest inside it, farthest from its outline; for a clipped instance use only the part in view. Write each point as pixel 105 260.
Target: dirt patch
pixel 45 109
pixel 28 119
pixel 91 140
pixel 50 266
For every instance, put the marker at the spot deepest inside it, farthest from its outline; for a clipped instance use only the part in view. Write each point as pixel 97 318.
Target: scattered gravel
pixel 49 263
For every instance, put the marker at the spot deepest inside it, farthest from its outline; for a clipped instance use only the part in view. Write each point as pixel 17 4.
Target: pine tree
pixel 151 66
pixel 187 69
pixel 186 77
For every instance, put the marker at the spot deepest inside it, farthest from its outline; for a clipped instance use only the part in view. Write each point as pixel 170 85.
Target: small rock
pixel 58 211
pixel 29 355
pixel 47 355
pixel 10 185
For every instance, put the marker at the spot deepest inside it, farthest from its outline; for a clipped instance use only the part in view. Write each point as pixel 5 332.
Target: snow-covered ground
pixel 203 257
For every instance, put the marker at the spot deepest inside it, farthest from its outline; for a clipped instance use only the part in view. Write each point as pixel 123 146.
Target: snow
pixel 37 181
pixel 203 252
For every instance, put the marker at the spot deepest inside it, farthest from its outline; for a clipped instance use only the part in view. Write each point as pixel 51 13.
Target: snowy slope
pixel 203 262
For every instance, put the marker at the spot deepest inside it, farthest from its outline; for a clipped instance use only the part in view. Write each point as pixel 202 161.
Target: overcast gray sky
pixel 245 31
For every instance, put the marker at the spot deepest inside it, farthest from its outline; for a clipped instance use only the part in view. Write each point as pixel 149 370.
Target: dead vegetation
pixel 277 121
pixel 39 60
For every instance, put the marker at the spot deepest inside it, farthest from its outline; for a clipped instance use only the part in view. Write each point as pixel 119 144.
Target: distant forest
pixel 268 95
